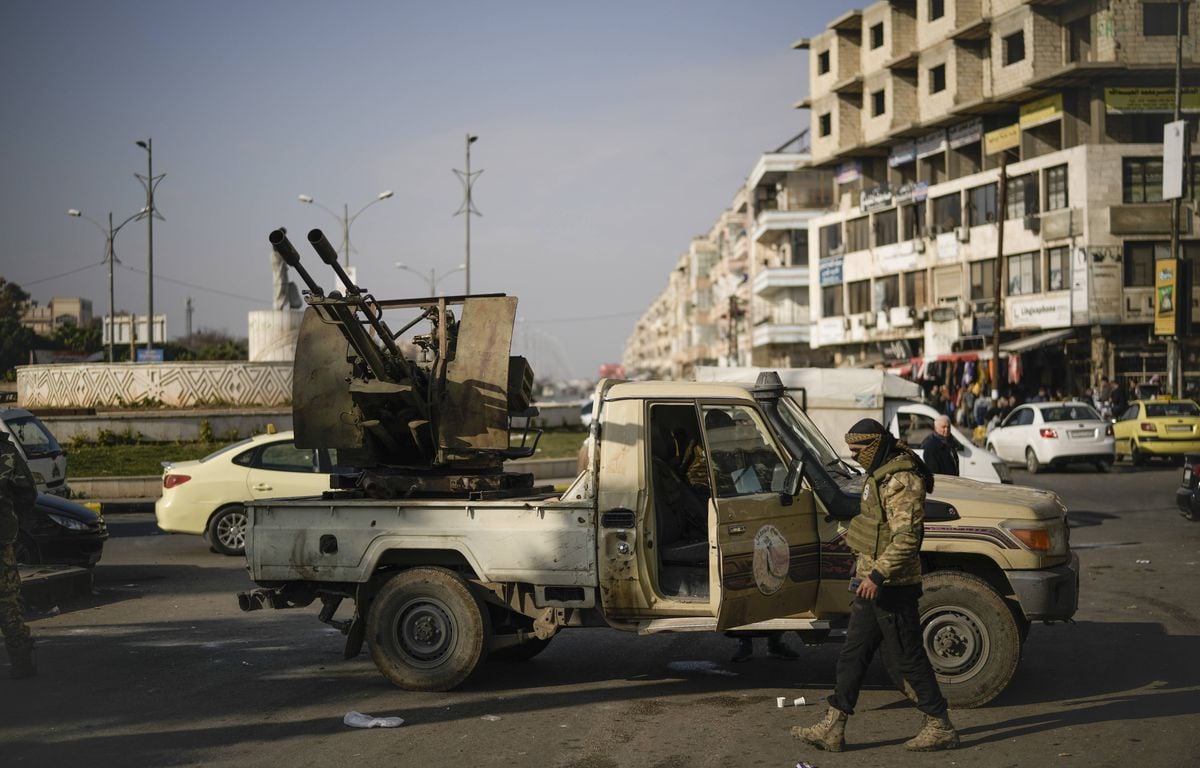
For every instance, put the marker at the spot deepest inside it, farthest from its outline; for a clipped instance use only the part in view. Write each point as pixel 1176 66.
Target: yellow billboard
pixel 1166 272
pixel 1008 137
pixel 1041 111
pixel 1120 101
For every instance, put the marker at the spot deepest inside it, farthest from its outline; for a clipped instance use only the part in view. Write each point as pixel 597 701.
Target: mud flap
pixel 354 637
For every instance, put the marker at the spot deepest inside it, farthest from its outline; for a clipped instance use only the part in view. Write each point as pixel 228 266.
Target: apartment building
pixel 909 101
pixel 59 310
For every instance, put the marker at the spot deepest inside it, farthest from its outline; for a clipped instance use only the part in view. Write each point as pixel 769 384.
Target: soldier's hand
pixel 867 590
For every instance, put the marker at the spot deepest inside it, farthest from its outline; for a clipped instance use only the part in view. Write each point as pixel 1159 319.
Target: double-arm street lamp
pixel 110 233
pixel 433 277
pixel 345 218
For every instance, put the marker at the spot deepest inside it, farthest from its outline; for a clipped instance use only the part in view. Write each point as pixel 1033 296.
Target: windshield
pixel 33 436
pixel 1178 408
pixel 1070 412
pixel 835 482
pixel 818 447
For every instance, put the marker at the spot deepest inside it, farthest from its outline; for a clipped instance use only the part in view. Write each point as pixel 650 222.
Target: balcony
pixel 777 333
pixel 770 223
pixel 775 279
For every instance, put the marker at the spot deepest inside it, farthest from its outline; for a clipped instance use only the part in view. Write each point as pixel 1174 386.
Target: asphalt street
pixel 159 667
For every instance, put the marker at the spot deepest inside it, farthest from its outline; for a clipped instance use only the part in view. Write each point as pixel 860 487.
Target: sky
pixel 610 134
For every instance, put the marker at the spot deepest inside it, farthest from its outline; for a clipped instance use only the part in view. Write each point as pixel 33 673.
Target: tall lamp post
pixel 344 218
pixel 150 182
pixel 432 278
pixel 468 205
pixel 110 233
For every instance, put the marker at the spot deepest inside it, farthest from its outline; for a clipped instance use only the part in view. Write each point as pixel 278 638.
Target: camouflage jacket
pixel 17 488
pixel 886 535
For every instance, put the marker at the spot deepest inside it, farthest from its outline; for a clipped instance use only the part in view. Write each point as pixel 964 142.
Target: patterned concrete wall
pixel 172 385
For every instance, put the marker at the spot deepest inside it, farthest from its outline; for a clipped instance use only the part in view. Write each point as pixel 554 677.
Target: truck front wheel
pixel 427 630
pixel 970 636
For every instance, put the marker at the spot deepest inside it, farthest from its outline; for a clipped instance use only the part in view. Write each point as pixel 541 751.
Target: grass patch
pixel 558 443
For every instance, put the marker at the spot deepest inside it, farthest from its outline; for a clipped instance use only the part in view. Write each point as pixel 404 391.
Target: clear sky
pixel 611 133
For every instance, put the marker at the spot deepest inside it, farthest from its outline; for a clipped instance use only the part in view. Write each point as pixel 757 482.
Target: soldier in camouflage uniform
pixel 886 538
pixel 17 491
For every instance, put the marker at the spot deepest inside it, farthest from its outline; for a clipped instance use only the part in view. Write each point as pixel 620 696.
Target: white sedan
pixel 1053 434
pixel 205 497
pixel 914 422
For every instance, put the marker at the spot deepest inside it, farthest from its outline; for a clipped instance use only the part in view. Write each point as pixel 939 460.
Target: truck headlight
pixel 1046 537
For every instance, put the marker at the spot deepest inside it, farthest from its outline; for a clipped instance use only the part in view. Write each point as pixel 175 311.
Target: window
pixel 1024 274
pixel 914 220
pixel 877 36
pixel 1139 262
pixel 947 213
pixel 937 78
pixel 822 62
pixel 1141 179
pixel 1022 196
pixel 799 249
pixel 887 293
pixel 878 103
pixel 914 427
pixel 916 286
pixel 983 279
pixel 1180 408
pixel 1056 188
pixel 886 231
pixel 1014 48
pixel 1069 412
pixel 831 300
pixel 286 457
pixel 826 121
pixel 937 9
pixel 858 234
pixel 830 239
pixel 1079 39
pixel 744 460
pixel 858 297
pixel 1158 19
pixel 1058 269
pixel 983 205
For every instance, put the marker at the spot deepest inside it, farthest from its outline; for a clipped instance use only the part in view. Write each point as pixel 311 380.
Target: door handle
pixel 262 487
pixel 736 530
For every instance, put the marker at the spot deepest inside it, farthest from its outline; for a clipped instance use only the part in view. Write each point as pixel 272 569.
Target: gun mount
pixel 427 416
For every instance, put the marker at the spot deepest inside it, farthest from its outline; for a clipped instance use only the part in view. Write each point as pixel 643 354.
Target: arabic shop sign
pixel 848 172
pixel 902 154
pixel 831 271
pixel 1123 101
pixel 931 144
pixel 876 198
pixel 966 133
pixel 1008 137
pixel 1041 111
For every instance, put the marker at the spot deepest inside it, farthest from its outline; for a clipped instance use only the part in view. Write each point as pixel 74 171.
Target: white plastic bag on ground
pixel 359 720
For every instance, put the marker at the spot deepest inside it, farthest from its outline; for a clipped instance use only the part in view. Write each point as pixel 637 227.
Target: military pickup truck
pixel 448 568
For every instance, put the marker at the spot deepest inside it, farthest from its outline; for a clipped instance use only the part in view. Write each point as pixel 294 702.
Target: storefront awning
pixel 1036 341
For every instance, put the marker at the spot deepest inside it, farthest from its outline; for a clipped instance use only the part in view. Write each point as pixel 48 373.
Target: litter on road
pixel 359 720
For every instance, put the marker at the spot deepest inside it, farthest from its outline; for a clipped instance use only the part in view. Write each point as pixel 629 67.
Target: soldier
pixel 17 491
pixel 886 538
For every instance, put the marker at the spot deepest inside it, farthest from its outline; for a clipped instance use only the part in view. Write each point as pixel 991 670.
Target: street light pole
pixel 468 205
pixel 345 219
pixel 433 277
pixel 150 183
pixel 110 234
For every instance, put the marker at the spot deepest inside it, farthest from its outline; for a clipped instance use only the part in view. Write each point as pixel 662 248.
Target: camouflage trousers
pixel 12 625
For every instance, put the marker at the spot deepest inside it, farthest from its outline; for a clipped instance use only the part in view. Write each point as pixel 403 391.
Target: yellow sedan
pixel 1158 428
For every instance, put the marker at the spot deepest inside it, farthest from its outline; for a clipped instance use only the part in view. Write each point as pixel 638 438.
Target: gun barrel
pixel 316 238
pixel 279 241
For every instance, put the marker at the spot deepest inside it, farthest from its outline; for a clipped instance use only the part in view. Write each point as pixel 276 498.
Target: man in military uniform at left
pixel 17 491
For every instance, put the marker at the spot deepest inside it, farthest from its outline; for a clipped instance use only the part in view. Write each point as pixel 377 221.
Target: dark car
pixel 1186 497
pixel 60 532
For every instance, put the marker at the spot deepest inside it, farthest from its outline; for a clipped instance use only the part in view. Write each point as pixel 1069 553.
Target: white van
pixel 42 453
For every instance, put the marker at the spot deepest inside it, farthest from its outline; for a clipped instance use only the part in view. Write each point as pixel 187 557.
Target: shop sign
pixel 920 191
pixel 1105 289
pixel 1125 101
pixel 1079 286
pixel 1173 141
pixel 1008 137
pixel 967 133
pixel 830 330
pixel 848 172
pixel 1165 296
pixel 876 198
pixel 931 144
pixel 1038 311
pixel 902 154
pixel 831 271
pixel 1041 111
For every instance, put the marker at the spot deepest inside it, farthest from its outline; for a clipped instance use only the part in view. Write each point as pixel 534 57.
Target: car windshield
pixel 1178 408
pixel 226 449
pixel 802 426
pixel 1069 412
pixel 33 436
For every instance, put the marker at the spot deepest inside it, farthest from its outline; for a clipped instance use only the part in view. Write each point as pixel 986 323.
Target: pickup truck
pixel 441 585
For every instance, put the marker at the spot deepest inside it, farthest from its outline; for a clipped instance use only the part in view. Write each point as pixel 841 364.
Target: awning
pixel 1036 341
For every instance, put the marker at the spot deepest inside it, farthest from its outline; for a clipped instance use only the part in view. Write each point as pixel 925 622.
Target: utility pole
pixel 998 286
pixel 150 182
pixel 1183 300
pixel 468 205
pixel 188 309
pixel 733 345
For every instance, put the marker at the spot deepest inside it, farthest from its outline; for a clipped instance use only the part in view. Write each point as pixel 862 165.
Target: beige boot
pixel 829 734
pixel 937 733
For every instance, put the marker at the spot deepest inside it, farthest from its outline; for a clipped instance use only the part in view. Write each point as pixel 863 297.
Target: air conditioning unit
pixel 919 245
pixel 964 234
pixel 964 308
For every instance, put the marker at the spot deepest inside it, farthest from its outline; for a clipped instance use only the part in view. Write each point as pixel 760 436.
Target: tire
pixel 26 551
pixel 427 631
pixel 517 653
pixel 1103 465
pixel 971 637
pixel 1032 465
pixel 227 530
pixel 1136 457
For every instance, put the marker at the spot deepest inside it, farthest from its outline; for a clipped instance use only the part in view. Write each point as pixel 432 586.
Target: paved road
pixel 160 668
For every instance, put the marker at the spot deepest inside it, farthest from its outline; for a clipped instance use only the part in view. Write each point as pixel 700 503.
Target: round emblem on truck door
pixel 771 558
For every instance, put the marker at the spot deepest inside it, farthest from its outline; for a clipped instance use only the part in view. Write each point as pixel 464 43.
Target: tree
pixel 15 339
pixel 79 338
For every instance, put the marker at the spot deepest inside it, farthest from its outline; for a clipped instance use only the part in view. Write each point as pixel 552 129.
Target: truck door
pixel 767 555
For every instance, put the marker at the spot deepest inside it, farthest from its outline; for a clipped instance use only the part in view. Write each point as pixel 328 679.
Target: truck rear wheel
pixel 427 630
pixel 970 636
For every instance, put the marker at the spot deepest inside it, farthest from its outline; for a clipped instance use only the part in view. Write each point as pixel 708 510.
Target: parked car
pixel 60 532
pixel 913 423
pixel 1186 497
pixel 45 457
pixel 1158 428
pixel 1053 434
pixel 205 497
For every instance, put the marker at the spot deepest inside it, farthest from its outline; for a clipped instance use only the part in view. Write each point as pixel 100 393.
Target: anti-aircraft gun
pixel 434 422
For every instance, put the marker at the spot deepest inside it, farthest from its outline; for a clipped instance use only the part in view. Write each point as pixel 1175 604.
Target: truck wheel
pixel 970 636
pixel 227 530
pixel 517 653
pixel 427 630
pixel 1032 465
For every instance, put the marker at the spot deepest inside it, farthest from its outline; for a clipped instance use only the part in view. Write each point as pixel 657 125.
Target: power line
pixel 164 278
pixel 64 274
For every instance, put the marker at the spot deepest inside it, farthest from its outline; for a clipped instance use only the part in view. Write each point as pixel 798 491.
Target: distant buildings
pixel 60 310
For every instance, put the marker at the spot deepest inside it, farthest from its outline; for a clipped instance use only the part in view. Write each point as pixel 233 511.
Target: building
pixel 910 102
pixel 60 310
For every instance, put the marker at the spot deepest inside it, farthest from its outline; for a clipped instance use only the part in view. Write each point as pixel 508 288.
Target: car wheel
pixel 1136 457
pixel 1103 465
pixel 26 551
pixel 227 530
pixel 1032 465
pixel 427 630
pixel 1192 511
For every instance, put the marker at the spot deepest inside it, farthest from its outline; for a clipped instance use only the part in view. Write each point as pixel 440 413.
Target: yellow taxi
pixel 1158 427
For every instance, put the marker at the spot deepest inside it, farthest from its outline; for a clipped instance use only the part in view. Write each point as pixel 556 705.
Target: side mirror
pixel 791 483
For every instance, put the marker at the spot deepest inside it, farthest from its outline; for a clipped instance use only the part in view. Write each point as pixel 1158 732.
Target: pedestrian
pixel 1117 400
pixel 886 539
pixel 18 492
pixel 940 449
